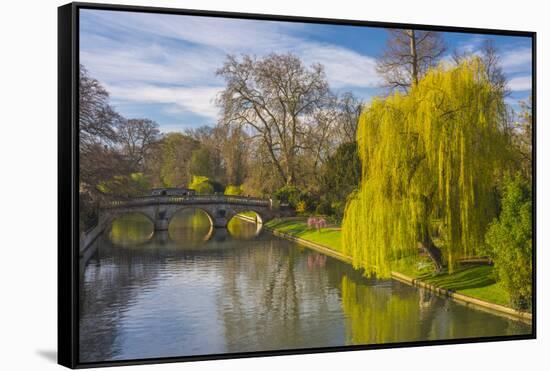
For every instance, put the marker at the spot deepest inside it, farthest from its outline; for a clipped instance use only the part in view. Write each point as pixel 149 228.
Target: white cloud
pixel 517 60
pixel 153 64
pixel 471 46
pixel 344 67
pixel 173 59
pixel 226 34
pixel 520 83
pixel 512 60
pixel 215 38
pixel 197 100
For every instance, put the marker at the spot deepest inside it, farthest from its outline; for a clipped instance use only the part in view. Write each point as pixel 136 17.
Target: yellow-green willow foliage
pixel 429 161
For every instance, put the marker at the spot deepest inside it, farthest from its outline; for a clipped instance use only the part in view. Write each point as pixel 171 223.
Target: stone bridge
pixel 160 210
pixel 219 208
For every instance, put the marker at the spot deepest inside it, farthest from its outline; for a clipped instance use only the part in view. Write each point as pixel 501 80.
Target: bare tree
pixel 491 60
pixel 349 107
pixel 97 119
pixel 408 55
pixel 136 137
pixel 321 139
pixel 523 136
pixel 277 98
pixel 99 159
pixel 234 153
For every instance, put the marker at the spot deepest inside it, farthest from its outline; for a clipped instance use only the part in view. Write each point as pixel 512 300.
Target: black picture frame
pixel 68 168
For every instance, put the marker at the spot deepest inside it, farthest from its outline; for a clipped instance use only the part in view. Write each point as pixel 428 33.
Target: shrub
pixel 133 185
pixel 233 190
pixel 324 208
pixel 293 195
pixel 301 207
pixel 510 237
pixel 202 185
pixel 290 194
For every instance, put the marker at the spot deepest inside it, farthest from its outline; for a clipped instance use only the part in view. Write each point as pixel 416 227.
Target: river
pixel 195 290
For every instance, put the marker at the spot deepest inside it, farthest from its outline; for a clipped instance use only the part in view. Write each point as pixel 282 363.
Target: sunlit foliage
pixel 301 207
pixel 233 190
pixel 430 159
pixel 511 240
pixel 201 185
pixel 135 184
pixel 170 162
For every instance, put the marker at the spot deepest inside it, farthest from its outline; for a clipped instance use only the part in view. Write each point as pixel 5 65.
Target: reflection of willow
pixel 131 229
pixel 190 227
pixel 385 314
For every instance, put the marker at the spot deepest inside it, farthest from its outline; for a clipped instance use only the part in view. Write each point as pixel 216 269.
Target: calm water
pixel 195 290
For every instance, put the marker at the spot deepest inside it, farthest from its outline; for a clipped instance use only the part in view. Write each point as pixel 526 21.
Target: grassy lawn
pixel 297 227
pixel 477 281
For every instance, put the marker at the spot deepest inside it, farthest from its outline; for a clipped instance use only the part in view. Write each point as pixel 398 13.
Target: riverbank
pixel 471 284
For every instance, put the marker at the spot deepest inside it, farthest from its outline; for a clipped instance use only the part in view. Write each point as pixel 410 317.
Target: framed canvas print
pixel 236 185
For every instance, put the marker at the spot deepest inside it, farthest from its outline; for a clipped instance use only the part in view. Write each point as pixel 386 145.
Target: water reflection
pixel 243 230
pixel 186 296
pixel 190 227
pixel 131 229
pixel 393 312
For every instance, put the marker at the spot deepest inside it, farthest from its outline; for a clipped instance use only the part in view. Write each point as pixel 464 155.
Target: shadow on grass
pixel 464 278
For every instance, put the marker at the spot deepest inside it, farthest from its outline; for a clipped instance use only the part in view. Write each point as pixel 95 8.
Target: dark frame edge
pixel 68 276
pixel 66 237
pixel 534 176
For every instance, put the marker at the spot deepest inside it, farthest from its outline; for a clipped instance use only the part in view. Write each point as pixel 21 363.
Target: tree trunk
pixel 414 57
pixel 433 252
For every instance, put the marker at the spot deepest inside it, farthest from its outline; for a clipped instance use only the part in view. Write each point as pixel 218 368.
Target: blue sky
pixel 162 67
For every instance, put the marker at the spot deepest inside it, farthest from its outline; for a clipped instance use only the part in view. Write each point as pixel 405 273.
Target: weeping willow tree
pixel 430 159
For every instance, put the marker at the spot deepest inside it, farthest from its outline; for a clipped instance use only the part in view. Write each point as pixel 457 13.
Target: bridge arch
pixel 174 211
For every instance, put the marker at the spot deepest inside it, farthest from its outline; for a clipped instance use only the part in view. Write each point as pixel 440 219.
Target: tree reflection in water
pixel 131 229
pixel 191 227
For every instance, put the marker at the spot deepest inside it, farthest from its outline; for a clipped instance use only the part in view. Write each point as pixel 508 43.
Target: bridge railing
pixel 188 200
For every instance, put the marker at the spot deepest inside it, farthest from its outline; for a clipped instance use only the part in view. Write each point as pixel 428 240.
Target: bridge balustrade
pixel 196 199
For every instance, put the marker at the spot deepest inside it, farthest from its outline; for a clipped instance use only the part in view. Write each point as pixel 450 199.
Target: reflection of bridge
pixel 160 210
